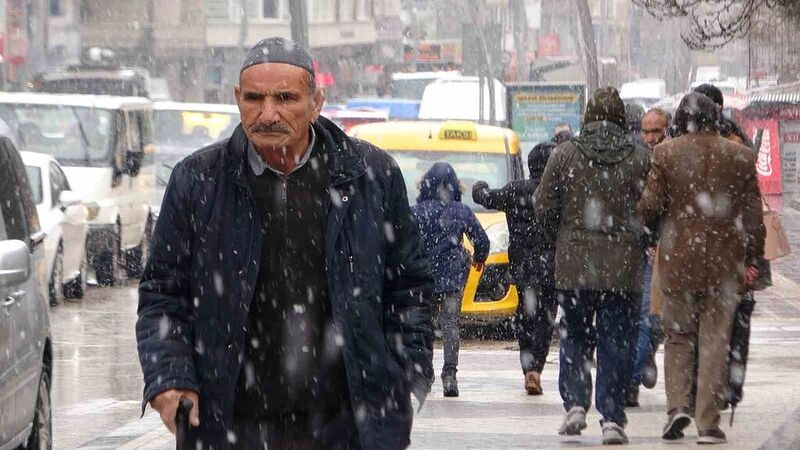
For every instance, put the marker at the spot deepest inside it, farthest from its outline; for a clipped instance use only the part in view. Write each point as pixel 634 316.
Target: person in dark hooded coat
pixel 443 220
pixel 590 188
pixel 531 254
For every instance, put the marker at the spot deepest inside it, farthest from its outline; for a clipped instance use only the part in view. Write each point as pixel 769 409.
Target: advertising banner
pixel 535 109
pixel 768 162
pixel 790 152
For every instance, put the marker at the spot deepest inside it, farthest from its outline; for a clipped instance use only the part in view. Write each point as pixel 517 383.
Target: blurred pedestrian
pixel 634 113
pixel 590 187
pixel 731 130
pixel 272 297
pixel 443 221
pixel 645 371
pixel 703 190
pixel 531 254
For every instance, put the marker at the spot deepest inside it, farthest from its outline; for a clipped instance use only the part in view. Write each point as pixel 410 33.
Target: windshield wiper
pixel 86 155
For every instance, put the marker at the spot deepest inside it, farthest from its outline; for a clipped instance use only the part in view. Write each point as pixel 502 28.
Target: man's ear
pixel 319 102
pixel 236 91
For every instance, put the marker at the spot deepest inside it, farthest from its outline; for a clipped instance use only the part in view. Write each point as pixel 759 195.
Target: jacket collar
pixel 344 162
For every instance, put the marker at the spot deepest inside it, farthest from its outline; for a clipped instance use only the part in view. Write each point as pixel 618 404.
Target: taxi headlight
pixel 498 238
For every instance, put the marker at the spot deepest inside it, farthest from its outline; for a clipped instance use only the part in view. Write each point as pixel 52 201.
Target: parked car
pixel 63 218
pixel 26 352
pixel 104 144
pixel 182 128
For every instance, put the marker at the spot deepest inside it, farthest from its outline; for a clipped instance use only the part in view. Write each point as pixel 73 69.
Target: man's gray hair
pixel 665 116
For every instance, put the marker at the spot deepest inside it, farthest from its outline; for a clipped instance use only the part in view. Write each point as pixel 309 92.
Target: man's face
pixel 276 105
pixel 654 130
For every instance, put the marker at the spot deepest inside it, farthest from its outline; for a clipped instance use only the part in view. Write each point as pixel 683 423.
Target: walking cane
pixel 182 423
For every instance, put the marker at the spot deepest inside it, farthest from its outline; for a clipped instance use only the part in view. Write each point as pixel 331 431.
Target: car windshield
pixel 35 180
pixel 193 128
pixel 470 168
pixel 73 135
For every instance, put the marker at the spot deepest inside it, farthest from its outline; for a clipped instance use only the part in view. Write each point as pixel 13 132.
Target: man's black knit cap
pixel 278 50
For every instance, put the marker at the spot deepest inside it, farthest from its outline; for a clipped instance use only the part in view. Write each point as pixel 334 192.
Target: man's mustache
pixel 275 127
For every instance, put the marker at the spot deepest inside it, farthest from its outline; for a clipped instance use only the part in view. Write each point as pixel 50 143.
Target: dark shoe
pixel 650 371
pixel 533 383
pixel 632 396
pixel 574 422
pixel 613 434
pixel 678 420
pixel 712 436
pixel 450 385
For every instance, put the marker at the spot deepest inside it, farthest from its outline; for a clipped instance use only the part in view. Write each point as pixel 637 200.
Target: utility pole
pixel 299 24
pixel 520 20
pixel 588 46
pixel 244 22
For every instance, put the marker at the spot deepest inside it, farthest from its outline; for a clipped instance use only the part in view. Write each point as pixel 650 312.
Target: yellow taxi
pixel 477 153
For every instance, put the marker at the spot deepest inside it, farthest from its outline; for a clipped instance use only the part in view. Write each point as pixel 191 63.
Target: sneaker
pixel 712 436
pixel 650 371
pixel 574 422
pixel 450 385
pixel 613 434
pixel 678 420
pixel 533 383
pixel 632 396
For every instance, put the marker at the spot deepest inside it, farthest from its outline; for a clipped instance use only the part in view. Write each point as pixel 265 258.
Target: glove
pixel 479 191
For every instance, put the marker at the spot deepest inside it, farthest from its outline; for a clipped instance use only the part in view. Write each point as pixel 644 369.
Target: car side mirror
pixel 133 162
pixel 15 262
pixel 69 198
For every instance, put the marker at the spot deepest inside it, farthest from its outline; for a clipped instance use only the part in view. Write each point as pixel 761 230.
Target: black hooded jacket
pixel 532 249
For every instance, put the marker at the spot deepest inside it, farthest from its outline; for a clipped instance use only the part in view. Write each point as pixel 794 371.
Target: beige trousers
pixel 698 321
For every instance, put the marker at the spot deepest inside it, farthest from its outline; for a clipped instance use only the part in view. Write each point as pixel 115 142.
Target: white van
pixel 645 92
pixel 458 98
pixel 411 85
pixel 105 146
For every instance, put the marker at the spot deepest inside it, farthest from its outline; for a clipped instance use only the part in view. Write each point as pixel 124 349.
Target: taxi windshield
pixel 469 166
pixel 193 129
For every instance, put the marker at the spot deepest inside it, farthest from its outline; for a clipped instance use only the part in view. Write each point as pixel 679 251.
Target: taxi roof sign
pixel 458 130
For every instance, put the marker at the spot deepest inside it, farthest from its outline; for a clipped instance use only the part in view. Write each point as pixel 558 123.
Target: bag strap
pixel 766 203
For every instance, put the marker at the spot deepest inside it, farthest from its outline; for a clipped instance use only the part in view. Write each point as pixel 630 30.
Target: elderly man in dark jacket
pixel 531 253
pixel 590 187
pixel 287 294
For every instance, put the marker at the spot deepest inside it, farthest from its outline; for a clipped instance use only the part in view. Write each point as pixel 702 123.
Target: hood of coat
pixel 344 162
pixel 441 183
pixel 605 143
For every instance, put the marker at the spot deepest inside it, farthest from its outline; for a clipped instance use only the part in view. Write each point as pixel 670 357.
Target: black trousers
pixel 534 323
pixel 328 430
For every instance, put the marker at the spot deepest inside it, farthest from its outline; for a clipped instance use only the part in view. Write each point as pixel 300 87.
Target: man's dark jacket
pixel 532 246
pixel 198 285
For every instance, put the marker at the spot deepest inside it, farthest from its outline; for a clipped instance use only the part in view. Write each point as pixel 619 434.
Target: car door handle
pixel 13 297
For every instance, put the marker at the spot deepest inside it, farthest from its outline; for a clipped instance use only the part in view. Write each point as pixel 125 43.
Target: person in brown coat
pixel 702 192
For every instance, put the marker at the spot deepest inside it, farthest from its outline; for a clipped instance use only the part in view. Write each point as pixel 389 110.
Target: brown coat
pixel 702 192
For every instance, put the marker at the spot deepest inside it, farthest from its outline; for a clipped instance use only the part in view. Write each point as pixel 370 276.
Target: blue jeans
pixel 616 327
pixel 648 325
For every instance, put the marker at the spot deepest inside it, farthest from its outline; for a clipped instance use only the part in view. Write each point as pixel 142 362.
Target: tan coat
pixel 702 192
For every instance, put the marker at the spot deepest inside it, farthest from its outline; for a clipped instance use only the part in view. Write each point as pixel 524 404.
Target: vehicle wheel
pixel 55 288
pixel 41 437
pixel 77 287
pixel 108 265
pixel 136 258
